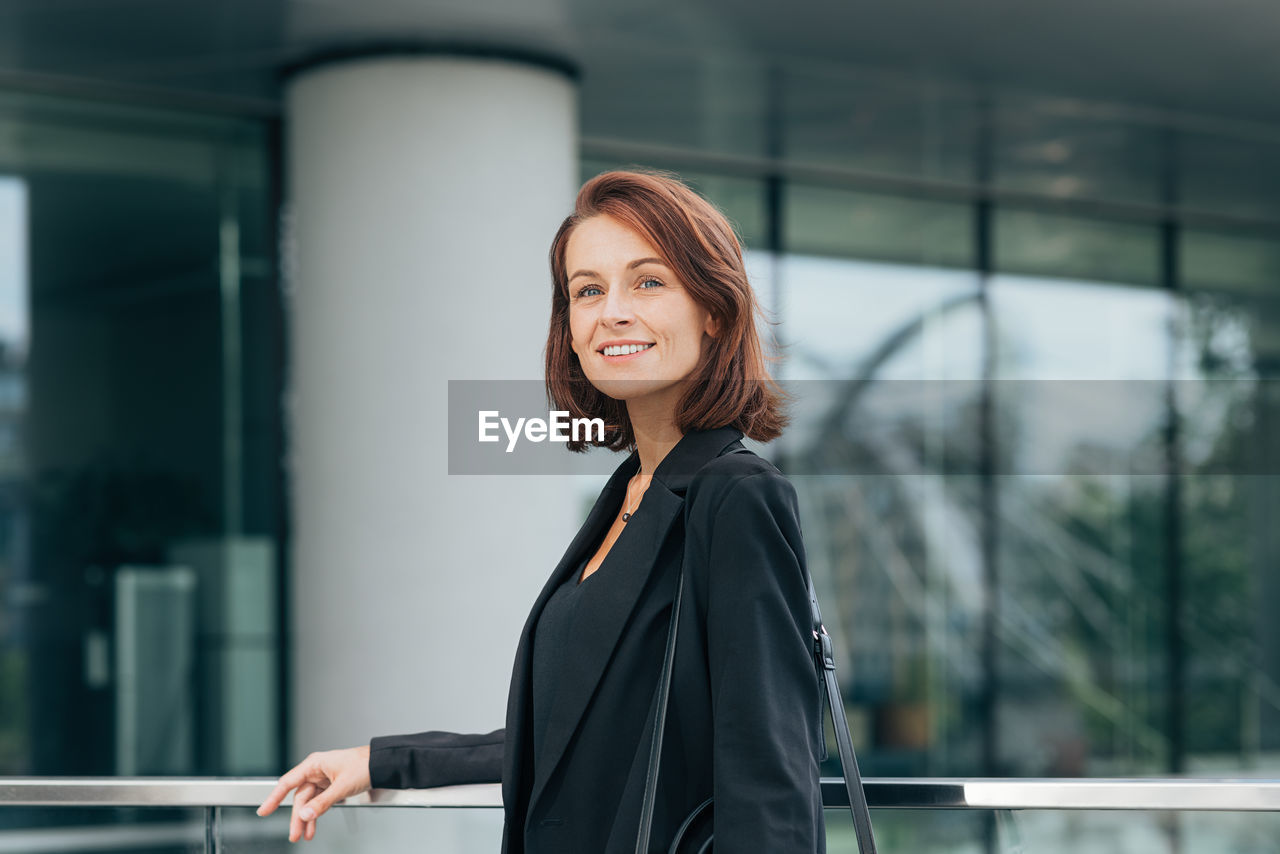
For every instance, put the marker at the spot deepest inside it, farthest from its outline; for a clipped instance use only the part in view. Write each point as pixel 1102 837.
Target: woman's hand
pixel 322 779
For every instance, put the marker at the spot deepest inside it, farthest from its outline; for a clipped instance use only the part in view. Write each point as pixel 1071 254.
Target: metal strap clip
pixel 822 648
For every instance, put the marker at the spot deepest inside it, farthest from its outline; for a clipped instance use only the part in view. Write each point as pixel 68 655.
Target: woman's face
pixel 621 295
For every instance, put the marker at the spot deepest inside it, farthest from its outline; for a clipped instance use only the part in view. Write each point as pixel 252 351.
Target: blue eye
pixel 582 292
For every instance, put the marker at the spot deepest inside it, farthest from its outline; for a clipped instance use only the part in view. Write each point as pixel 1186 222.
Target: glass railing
pixel 922 816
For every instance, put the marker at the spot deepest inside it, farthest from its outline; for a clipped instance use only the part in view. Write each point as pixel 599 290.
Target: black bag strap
pixel 848 760
pixel 825 665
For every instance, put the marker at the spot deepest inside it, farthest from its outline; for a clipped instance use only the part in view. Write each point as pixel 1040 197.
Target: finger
pixel 317 805
pixel 295 824
pixel 296 821
pixel 273 800
pixel 310 832
pixel 287 783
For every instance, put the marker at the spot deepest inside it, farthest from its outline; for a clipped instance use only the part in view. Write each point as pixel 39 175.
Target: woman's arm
pixel 425 760
pixel 419 761
pixel 764 686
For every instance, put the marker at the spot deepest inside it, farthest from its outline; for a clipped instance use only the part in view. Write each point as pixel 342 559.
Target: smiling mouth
pixel 624 350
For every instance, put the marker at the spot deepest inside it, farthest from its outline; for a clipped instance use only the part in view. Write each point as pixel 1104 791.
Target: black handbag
pixel 695 834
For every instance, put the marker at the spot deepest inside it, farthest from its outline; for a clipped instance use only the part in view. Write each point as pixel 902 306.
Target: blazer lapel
pixel 631 561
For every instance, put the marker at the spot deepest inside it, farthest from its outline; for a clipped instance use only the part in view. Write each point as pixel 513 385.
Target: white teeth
pixel 625 349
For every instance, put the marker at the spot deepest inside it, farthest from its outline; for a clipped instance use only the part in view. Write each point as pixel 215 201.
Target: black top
pixel 552 640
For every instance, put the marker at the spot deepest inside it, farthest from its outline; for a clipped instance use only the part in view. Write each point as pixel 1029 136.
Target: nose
pixel 617 310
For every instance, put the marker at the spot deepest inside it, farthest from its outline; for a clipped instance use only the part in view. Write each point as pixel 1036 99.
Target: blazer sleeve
pixel 425 760
pixel 764 686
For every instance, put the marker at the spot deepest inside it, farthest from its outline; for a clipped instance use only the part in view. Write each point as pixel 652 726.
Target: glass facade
pixel 1034 344
pixel 141 517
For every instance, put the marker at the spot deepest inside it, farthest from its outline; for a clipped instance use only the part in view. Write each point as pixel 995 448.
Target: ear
pixel 712 327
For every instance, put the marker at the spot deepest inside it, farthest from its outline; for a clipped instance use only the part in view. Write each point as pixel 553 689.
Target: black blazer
pixel 743 719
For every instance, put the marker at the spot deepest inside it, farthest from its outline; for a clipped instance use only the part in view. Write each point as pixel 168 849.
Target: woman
pixel 653 330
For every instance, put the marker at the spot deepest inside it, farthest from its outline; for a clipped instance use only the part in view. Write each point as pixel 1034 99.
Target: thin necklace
pixel 628 508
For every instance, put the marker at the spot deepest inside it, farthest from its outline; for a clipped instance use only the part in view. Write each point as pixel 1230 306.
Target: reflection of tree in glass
pixel 1082 671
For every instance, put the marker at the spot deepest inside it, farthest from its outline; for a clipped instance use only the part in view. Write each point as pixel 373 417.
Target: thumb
pixel 320 804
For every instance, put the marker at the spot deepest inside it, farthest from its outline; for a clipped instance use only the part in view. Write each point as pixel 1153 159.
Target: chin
pixel 625 389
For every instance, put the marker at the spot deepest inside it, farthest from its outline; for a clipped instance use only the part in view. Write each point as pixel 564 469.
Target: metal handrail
pixel 1162 794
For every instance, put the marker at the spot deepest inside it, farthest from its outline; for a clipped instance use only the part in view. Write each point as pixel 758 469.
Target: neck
pixel 656 434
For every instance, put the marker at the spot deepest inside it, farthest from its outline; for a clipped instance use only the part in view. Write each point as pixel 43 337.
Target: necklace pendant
pixel 626 516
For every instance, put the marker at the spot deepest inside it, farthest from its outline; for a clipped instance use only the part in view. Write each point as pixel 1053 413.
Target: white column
pixel 424 193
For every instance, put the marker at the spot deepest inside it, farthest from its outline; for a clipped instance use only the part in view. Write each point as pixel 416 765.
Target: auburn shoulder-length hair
pixel 731 386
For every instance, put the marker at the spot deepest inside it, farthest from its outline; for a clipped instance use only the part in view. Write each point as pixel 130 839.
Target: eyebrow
pixel 636 263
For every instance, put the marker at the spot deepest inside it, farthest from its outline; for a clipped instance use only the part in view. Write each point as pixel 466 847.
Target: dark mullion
pixel 1175 643
pixel 283 533
pixel 774 187
pixel 984 263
